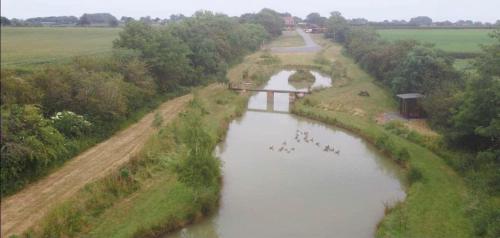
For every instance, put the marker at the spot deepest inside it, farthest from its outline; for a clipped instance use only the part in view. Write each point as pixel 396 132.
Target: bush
pixel 29 144
pixel 414 175
pixel 402 154
pixel 158 120
pixel 199 167
pixel 321 59
pixel 302 75
pixel 70 124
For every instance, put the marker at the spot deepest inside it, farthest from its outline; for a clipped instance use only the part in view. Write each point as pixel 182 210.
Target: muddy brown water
pixel 302 190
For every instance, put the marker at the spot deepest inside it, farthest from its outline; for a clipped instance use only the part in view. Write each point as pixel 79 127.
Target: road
pixel 310 45
pixel 23 209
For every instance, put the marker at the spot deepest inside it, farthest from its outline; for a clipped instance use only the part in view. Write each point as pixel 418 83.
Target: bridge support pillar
pixel 270 101
pixel 292 97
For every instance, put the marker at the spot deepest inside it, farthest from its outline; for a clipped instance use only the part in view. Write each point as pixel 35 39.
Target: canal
pixel 287 176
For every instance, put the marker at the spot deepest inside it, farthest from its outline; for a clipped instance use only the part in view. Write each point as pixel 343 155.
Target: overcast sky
pixel 477 10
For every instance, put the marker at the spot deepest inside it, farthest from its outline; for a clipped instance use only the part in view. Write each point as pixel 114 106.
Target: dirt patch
pixel 421 126
pixel 358 112
pixel 417 125
pixel 23 209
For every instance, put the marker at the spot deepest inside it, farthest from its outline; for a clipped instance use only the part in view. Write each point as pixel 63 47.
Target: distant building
pixel 289 22
pixel 409 105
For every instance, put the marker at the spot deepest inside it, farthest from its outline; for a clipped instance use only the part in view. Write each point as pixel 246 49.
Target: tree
pixel 113 22
pixel 421 21
pixel 4 21
pixel 54 20
pixel 98 19
pixel 166 55
pixel 316 19
pixel 84 20
pixel 270 19
pixel 176 18
pixel 423 70
pixel 359 21
pixel 476 123
pixel 126 19
pixel 337 27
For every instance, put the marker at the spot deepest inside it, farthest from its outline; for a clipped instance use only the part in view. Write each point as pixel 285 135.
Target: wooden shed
pixel 409 105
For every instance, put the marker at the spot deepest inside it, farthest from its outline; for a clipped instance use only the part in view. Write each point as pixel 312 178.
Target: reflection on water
pixel 305 192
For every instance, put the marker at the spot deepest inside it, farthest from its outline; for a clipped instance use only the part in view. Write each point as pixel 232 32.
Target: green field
pixel 37 45
pixel 451 40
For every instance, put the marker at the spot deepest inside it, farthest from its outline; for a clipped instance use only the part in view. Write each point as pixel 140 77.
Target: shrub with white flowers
pixel 71 124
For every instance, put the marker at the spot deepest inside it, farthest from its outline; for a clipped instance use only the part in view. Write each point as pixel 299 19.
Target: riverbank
pixel 436 201
pixel 146 197
pixel 127 202
pixel 437 198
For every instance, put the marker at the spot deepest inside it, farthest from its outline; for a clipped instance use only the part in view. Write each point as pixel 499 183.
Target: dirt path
pixel 310 45
pixel 23 209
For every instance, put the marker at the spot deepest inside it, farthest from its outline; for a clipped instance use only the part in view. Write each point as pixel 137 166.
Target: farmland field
pixel 450 40
pixel 38 45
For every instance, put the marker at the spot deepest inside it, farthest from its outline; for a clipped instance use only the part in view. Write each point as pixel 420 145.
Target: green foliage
pixel 105 19
pixel 29 144
pixel 70 124
pixel 337 27
pixel 321 59
pixel 192 51
pixel 476 124
pixel 200 167
pixel 386 144
pixel 266 58
pixel 17 90
pixel 315 18
pixel 423 70
pixel 158 120
pixel 414 175
pixel 72 217
pixel 269 19
pixel 166 55
pixel 302 75
pixel 485 216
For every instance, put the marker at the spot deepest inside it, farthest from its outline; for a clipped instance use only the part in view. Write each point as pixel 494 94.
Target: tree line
pixel 54 112
pixel 419 21
pixel 269 18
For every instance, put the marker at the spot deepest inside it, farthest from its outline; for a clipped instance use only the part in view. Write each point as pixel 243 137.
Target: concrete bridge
pixel 293 94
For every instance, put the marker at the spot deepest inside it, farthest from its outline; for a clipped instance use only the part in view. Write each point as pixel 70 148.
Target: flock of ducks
pixel 299 137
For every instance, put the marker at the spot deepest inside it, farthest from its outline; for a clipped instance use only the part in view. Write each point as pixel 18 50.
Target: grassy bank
pixel 155 192
pixel 288 39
